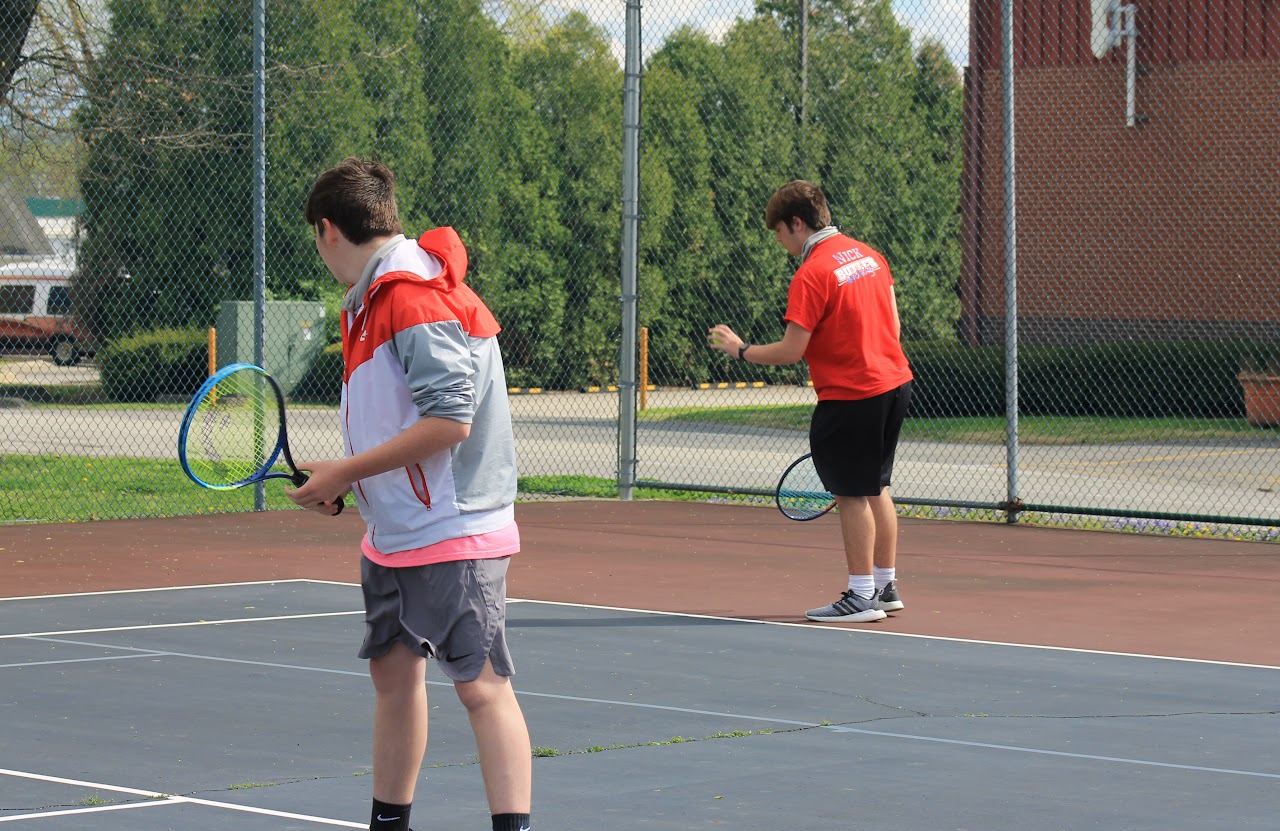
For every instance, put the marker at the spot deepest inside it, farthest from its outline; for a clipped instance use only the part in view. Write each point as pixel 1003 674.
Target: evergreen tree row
pixel 508 126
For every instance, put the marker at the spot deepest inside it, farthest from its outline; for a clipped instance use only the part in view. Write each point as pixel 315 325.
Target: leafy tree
pixel 507 126
pixel 573 81
pixel 719 138
pixel 168 129
pixel 928 299
pixel 680 244
pixel 357 92
pixel 757 148
pixel 494 178
pixel 884 142
pixel 167 171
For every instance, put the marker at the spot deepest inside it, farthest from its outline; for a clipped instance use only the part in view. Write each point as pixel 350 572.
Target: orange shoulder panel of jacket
pixel 445 243
pixel 432 302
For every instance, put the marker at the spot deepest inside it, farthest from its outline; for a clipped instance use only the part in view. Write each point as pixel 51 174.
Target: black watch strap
pixel 742 351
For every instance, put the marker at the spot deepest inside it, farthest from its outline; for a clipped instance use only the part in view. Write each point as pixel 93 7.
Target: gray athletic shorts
pixel 455 612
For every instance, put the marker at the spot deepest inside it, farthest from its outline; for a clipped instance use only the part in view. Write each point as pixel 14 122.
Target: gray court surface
pixel 244 706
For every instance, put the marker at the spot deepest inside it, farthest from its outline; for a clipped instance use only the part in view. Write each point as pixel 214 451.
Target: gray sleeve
pixel 439 369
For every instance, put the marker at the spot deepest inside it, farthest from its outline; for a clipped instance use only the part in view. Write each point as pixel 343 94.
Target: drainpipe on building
pixel 1127 17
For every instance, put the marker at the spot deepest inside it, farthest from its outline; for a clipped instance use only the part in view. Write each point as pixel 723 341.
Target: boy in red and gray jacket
pixel 431 462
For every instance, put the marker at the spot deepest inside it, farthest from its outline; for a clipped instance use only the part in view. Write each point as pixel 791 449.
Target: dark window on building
pixel 59 301
pixel 17 299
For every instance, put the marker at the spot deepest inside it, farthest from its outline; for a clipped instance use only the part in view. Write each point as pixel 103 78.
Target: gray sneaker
pixel 850 608
pixel 888 600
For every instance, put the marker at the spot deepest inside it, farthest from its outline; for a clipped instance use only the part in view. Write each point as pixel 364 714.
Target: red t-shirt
pixel 843 295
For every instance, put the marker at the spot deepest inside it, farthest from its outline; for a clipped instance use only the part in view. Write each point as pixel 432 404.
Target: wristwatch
pixel 742 351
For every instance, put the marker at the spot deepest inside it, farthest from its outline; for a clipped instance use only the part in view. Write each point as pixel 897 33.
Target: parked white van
pixel 35 310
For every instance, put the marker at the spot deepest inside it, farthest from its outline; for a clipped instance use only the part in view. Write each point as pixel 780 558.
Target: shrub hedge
pixel 1136 379
pixel 162 362
pixel 323 382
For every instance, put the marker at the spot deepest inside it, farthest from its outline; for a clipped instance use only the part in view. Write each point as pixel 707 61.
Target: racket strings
pixel 234 430
pixel 801 494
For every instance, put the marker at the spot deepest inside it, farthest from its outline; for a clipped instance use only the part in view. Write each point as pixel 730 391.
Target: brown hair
pixel 800 199
pixel 358 196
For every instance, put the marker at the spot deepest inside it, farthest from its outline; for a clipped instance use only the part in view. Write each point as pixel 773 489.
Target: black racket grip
pixel 300 479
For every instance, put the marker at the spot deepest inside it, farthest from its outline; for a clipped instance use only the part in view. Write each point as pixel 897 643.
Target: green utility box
pixel 293 337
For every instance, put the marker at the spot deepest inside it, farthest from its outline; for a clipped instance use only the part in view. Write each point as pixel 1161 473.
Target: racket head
pixel 233 430
pixel 800 494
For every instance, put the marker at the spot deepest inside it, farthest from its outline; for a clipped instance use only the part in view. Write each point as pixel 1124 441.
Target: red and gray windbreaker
pixel 421 343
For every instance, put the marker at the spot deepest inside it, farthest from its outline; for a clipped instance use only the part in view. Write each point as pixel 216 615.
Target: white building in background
pixel 21 235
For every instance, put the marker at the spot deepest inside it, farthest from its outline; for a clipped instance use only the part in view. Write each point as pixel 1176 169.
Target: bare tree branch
pixel 15 23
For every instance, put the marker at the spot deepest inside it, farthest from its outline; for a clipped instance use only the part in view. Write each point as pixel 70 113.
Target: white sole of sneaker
pixel 892 606
pixel 859 617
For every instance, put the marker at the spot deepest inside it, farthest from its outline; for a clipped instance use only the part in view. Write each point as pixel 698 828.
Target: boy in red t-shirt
pixel 842 320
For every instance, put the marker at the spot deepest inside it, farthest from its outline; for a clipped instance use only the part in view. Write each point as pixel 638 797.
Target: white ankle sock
pixel 883 576
pixel 862 585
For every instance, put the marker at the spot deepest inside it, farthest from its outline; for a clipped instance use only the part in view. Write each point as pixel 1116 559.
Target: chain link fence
pixel 1081 237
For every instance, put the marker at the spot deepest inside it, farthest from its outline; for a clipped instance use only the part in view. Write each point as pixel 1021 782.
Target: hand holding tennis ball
pixel 722 337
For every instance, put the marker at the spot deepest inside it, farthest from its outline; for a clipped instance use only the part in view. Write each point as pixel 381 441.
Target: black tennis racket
pixel 233 432
pixel 800 495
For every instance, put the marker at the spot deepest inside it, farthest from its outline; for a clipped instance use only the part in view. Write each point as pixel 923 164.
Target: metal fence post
pixel 630 253
pixel 259 200
pixel 1010 264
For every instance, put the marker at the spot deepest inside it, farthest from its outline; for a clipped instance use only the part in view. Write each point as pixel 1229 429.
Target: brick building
pixel 1169 228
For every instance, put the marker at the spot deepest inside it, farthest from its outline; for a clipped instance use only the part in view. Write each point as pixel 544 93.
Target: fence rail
pixel 1111 349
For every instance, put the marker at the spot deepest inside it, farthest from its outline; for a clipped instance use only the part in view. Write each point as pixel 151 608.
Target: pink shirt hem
pixel 501 543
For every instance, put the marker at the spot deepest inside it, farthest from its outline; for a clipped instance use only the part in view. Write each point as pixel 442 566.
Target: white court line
pixel 95 809
pixel 175 588
pixel 1148 763
pixel 982 745
pixel 159 653
pixel 689 711
pixel 817 626
pixel 163 799
pixel 249 809
pixel 58 780
pixel 145 654
pixel 835 728
pixel 178 625
pixel 891 634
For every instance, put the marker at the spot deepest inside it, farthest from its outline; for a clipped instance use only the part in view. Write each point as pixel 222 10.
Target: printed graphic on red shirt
pixel 856 270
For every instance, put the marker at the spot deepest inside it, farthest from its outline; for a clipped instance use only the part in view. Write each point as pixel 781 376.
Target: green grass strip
pixel 593 487
pixel 73 488
pixel 1041 430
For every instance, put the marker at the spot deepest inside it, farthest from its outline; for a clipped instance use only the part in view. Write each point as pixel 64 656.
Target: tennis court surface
pixel 200 673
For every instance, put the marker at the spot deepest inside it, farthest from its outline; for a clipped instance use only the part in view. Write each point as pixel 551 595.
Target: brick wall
pixel 1159 230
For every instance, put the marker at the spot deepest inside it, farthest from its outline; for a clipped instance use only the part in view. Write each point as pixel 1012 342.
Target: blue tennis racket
pixel 800 494
pixel 233 433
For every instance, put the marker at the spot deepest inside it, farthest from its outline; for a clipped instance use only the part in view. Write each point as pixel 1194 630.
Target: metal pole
pixel 804 61
pixel 259 199
pixel 1128 14
pixel 630 253
pixel 1010 264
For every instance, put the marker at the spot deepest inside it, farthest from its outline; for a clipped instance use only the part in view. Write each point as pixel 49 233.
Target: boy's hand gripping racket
pixel 800 495
pixel 233 432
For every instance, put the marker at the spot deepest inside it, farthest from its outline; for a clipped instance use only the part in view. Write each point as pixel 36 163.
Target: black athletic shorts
pixel 853 442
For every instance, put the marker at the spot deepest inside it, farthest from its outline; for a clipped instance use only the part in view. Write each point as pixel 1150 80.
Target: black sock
pixel 510 822
pixel 388 817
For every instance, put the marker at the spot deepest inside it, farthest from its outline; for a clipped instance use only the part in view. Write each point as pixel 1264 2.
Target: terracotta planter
pixel 1261 398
